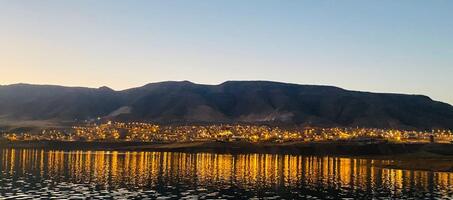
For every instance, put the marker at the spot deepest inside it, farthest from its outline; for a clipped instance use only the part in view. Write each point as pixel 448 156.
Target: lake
pixel 34 173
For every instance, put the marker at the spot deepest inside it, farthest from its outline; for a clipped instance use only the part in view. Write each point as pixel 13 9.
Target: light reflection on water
pixel 103 174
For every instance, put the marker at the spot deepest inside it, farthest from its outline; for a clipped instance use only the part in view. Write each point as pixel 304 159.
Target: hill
pixel 229 102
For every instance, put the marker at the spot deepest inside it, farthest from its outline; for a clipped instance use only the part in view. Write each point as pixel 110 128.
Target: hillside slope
pixel 230 102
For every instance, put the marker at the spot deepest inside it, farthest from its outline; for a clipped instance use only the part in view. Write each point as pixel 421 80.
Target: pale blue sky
pixel 381 45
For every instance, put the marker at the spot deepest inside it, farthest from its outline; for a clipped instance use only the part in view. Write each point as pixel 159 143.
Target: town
pixel 149 132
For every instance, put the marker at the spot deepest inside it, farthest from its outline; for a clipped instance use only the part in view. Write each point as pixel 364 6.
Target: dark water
pixel 28 174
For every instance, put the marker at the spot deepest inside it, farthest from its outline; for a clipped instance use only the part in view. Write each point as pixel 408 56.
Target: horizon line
pixel 218 84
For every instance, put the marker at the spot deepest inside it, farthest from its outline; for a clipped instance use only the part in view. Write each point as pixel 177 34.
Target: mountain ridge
pixel 228 102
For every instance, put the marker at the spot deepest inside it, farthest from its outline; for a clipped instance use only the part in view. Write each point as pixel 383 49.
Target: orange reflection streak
pixel 116 169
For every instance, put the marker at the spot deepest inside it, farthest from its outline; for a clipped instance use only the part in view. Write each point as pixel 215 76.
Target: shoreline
pixel 407 156
pixel 238 147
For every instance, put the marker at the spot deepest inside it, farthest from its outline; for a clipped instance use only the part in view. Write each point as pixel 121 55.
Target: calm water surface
pixel 28 174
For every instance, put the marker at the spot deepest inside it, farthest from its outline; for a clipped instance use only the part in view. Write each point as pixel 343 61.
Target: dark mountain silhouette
pixel 230 102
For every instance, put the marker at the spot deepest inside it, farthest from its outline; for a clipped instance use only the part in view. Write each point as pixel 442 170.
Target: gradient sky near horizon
pixel 400 46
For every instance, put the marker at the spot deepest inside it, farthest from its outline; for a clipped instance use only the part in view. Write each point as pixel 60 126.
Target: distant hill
pixel 229 102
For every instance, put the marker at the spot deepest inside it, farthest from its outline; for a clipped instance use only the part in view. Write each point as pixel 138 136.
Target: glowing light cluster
pixel 148 132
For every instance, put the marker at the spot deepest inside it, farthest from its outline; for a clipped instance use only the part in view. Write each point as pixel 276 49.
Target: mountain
pixel 229 102
pixel 42 102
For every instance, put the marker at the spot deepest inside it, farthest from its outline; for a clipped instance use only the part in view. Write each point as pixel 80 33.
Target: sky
pixel 397 46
